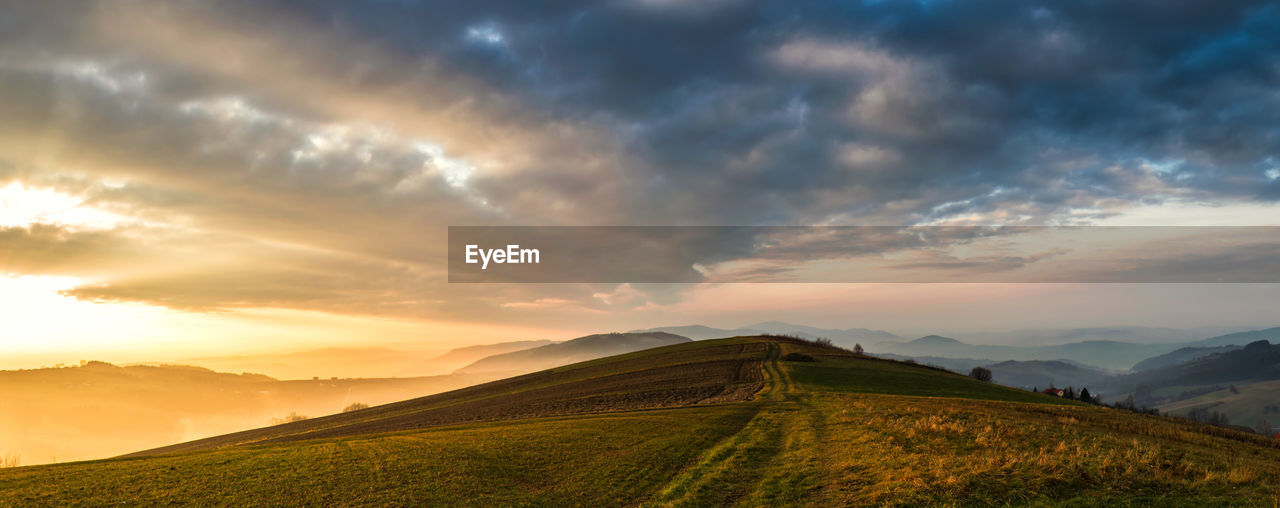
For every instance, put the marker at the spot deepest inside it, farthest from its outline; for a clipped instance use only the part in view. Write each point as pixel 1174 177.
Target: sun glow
pixel 22 206
pixel 41 323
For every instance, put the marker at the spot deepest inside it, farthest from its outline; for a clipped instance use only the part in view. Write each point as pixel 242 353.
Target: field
pixel 1249 404
pixel 691 431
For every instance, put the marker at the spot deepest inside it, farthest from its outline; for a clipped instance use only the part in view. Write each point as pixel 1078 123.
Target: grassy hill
pixel 704 423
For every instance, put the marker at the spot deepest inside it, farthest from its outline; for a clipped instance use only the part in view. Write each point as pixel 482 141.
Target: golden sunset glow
pixel 639 253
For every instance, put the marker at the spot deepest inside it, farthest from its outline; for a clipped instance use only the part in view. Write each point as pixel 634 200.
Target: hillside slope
pixel 825 428
pixel 675 376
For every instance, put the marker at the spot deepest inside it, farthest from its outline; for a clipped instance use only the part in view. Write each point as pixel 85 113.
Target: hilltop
pixel 846 337
pixel 715 422
pixel 575 350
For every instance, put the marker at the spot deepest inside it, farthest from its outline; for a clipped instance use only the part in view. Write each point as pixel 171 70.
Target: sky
pixel 193 177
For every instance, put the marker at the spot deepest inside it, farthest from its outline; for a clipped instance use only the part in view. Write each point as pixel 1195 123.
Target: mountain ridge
pixel 579 349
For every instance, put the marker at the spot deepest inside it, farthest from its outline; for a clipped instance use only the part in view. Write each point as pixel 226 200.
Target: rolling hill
pixel 1042 374
pixel 718 422
pixel 1025 374
pixel 843 337
pixel 1100 353
pixel 1110 348
pixel 1182 355
pixel 960 365
pixel 1240 338
pixel 1256 362
pixel 1052 336
pixel 700 332
pixel 576 350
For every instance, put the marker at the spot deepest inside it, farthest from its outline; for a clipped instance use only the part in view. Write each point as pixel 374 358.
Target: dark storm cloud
pixel 966 96
pixel 362 130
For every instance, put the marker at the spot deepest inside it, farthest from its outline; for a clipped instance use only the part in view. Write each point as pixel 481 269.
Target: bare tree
pixel 980 373
pixel 10 460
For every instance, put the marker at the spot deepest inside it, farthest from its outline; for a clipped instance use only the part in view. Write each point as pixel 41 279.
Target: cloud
pixel 323 148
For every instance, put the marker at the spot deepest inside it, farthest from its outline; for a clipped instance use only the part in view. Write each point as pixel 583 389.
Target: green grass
pixel 842 431
pixel 588 460
pixel 869 375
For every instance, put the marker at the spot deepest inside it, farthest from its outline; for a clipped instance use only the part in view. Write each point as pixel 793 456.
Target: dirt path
pixel 769 461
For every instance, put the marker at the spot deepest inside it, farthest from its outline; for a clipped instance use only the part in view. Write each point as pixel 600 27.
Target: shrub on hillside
pixel 293 416
pixel 798 357
pixel 355 406
pixel 980 373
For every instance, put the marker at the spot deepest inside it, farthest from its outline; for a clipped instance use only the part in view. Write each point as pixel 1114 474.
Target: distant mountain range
pixel 1233 378
pixel 325 362
pixel 1099 353
pixel 463 356
pixel 1042 374
pixel 1026 374
pixel 1240 338
pixel 1182 355
pixel 571 351
pixel 1255 362
pixel 842 337
pixel 1105 354
pixel 1135 334
pixel 1113 348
